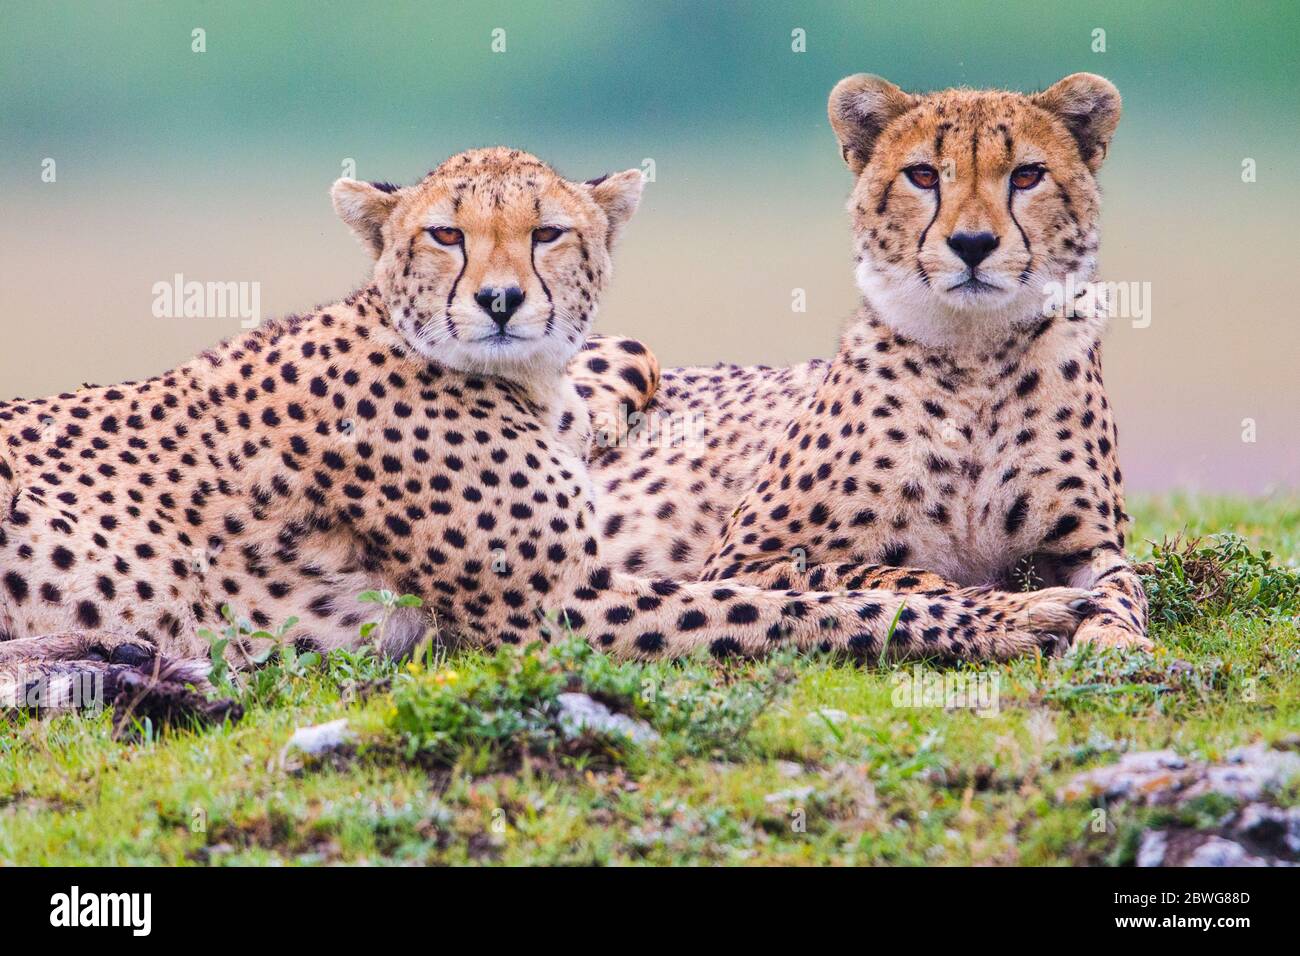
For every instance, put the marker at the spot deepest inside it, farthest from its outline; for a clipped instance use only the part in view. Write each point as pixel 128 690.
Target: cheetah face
pixel 969 203
pixel 493 263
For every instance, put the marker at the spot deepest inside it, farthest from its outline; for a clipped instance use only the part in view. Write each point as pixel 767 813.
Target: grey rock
pixel 320 739
pixel 794 795
pixel 580 714
pixel 1151 851
pixel 1216 851
pixel 1162 777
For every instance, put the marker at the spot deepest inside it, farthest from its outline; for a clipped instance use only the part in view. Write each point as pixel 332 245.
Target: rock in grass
pixel 316 742
pixel 322 738
pixel 1158 777
pixel 794 795
pixel 1257 833
pixel 580 714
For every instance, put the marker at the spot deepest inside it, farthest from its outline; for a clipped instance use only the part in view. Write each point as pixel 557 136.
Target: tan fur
pixel 966 435
pixel 389 440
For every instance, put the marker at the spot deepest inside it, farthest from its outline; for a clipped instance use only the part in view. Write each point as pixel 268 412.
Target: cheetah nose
pixel 500 302
pixel 972 248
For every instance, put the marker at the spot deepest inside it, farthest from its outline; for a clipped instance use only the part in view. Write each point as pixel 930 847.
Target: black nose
pixel 500 303
pixel 972 248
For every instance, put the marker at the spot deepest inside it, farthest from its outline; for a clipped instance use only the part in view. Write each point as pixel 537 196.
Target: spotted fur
pixel 405 438
pixel 960 437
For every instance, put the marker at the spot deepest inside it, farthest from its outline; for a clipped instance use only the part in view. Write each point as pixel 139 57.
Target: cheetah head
pixel 969 203
pixel 493 263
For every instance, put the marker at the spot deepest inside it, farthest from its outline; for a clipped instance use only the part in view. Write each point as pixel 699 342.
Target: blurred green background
pixel 217 165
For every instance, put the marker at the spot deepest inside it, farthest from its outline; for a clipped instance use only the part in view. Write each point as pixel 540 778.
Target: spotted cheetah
pixel 420 435
pixel 959 429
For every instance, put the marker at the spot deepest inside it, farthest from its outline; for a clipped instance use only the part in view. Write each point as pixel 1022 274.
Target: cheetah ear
pixel 1089 106
pixel 618 194
pixel 860 108
pixel 365 207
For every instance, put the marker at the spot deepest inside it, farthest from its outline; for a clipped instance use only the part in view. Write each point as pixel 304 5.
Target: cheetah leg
pixel 79 645
pixel 1121 616
pixel 846 576
pixel 75 669
pixel 644 619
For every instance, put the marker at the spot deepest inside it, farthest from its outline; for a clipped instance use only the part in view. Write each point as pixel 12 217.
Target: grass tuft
pixel 1188 578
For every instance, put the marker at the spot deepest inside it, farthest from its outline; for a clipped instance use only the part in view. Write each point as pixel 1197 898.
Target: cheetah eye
pixel 446 235
pixel 547 233
pixel 1027 177
pixel 923 175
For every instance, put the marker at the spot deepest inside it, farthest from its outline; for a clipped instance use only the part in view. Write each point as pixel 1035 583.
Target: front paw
pixel 1098 633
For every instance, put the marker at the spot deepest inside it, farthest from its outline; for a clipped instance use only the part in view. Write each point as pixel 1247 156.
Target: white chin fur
pixel 518 359
pixel 946 320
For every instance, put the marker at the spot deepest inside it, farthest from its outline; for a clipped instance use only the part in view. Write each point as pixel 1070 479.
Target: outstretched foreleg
pixel 786 574
pixel 640 618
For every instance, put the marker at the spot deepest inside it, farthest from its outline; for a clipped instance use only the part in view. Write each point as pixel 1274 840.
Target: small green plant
pixel 1195 578
pixel 507 705
pixel 263 675
pixel 238 633
pixel 496 713
pixel 707 712
pixel 889 635
pixel 390 601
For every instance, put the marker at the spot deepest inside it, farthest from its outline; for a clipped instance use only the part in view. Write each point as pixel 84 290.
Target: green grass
pixel 788 761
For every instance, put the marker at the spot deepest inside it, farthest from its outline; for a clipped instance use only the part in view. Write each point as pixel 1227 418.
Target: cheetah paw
pixel 1101 635
pixel 1047 619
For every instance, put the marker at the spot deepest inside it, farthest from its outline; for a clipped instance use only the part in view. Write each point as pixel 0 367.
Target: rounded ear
pixel 618 194
pixel 1089 106
pixel 860 107
pixel 365 207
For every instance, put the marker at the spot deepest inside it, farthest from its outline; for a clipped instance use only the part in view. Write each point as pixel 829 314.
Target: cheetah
pixel 421 435
pixel 961 436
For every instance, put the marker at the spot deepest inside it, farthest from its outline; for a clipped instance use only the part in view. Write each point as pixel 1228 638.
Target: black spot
pixel 692 621
pixel 1064 525
pixel 725 647
pixel 742 614
pixel 87 614
pixel 1027 384
pixel 1016 514
pixel 16 585
pixel 650 642
pixel 895 554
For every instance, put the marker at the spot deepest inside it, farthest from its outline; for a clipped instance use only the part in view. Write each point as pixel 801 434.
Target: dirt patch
pixel 140 696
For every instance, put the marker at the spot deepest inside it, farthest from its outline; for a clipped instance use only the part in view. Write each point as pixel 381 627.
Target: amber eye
pixel 547 233
pixel 1027 177
pixel 923 176
pixel 446 235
